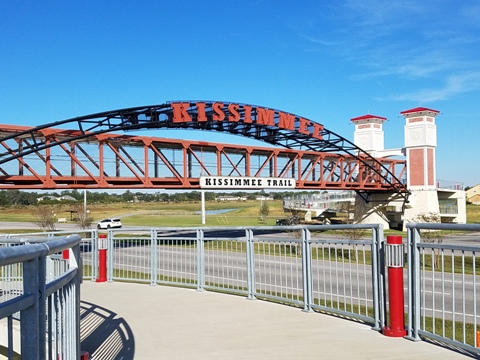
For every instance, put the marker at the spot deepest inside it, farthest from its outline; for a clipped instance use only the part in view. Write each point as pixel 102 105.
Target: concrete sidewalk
pixel 135 321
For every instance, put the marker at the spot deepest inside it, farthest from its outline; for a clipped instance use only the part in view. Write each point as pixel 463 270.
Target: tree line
pixel 12 198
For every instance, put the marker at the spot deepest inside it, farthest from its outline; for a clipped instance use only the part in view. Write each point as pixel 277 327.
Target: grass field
pixel 163 214
pixel 473 214
pixel 185 214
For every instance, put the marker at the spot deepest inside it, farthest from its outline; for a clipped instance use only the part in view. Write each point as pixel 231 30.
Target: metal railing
pixel 88 246
pixel 297 265
pixel 40 297
pixel 444 288
pixel 450 185
pixel 341 271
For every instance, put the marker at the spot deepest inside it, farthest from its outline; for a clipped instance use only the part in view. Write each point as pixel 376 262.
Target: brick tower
pixel 420 144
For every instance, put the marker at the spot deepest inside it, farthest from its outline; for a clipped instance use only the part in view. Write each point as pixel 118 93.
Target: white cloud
pixel 454 85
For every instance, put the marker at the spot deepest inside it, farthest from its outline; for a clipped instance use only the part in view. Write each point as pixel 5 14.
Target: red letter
pixel 180 113
pixel 303 129
pixel 265 116
pixel 248 114
pixel 219 114
pixel 317 131
pixel 286 121
pixel 201 115
pixel 234 115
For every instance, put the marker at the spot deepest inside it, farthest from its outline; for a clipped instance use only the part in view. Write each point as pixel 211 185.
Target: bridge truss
pixel 114 161
pixel 95 155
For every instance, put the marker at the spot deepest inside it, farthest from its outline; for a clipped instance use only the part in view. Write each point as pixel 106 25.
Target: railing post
pixel 33 318
pixel 394 258
pixel 153 257
pixel 200 261
pixel 413 238
pixel 77 299
pixel 250 254
pixel 307 271
pixel 378 278
pixel 94 252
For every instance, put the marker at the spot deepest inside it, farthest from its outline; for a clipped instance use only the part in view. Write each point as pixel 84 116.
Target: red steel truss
pixel 114 161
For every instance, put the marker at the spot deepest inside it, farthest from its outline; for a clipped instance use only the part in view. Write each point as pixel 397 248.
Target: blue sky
pixel 328 61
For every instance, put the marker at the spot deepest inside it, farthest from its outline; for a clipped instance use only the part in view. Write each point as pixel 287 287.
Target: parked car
pixel 109 223
pixel 292 220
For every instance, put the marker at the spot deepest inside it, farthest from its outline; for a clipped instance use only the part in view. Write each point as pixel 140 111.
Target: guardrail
pixel 88 246
pixel 340 272
pixel 40 292
pixel 296 265
pixel 443 288
pixel 301 265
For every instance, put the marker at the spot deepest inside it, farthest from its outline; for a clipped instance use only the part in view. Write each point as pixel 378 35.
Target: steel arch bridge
pixel 95 153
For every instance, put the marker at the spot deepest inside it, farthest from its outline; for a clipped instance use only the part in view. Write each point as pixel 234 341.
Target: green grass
pixel 157 214
pixel 473 214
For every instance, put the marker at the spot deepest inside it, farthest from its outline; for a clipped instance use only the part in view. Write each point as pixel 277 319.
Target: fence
pixel 40 298
pixel 338 269
pixel 300 265
pixel 88 246
pixel 443 288
pixel 305 267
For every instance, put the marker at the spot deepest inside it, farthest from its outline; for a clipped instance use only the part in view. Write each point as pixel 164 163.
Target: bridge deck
pixel 121 320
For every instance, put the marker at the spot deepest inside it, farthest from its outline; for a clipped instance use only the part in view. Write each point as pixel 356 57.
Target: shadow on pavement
pixel 104 335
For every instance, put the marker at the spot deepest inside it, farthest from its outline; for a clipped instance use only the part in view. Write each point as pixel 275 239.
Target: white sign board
pixel 243 182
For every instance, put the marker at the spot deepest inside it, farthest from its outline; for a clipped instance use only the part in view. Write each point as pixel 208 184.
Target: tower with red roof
pixel 420 144
pixel 426 196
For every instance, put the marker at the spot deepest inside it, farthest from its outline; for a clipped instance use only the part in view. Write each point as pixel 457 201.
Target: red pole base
pixel 387 331
pixel 102 265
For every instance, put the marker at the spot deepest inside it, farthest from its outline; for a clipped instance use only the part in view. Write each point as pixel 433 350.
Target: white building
pixel 427 194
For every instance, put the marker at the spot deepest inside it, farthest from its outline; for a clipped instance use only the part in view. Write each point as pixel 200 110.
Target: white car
pixel 109 223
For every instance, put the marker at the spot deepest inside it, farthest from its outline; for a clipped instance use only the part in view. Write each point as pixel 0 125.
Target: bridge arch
pixel 272 126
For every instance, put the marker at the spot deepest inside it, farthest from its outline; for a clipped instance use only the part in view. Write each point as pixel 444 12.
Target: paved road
pixel 472 238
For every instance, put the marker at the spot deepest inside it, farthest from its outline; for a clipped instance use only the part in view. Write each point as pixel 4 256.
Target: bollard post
pixel 394 260
pixel 478 339
pixel 102 258
pixel 66 254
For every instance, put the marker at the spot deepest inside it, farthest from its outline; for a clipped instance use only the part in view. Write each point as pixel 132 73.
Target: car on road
pixel 109 224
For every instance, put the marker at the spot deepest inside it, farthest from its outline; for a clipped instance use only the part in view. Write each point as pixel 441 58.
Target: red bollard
pixel 66 254
pixel 394 259
pixel 102 258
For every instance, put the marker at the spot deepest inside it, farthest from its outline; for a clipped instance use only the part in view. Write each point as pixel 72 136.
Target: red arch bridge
pixel 99 151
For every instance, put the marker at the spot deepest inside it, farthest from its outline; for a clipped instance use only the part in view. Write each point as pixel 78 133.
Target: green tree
pixel 82 218
pixel 264 210
pixel 45 217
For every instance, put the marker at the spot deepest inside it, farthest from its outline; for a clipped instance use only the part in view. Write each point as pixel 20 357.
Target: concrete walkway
pixel 136 321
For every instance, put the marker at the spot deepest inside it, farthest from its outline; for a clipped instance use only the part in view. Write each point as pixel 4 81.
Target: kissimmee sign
pixel 229 182
pixel 202 112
